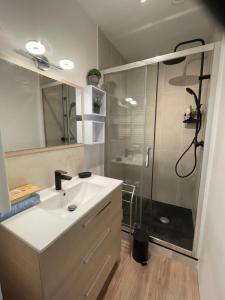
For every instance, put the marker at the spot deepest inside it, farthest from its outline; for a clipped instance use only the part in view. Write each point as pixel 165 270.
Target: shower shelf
pixel 90 93
pixel 94 132
pixel 190 121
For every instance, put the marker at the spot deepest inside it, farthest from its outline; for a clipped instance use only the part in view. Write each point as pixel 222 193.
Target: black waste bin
pixel 140 246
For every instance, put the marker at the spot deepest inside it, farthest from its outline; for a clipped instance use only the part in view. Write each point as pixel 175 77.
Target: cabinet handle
pixel 97 276
pixel 103 237
pixel 147 157
pixel 98 213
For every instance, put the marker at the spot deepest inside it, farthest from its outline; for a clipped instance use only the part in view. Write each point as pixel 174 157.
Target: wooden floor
pixel 162 279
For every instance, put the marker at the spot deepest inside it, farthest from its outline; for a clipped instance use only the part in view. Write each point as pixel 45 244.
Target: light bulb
pixel 35 47
pixel 66 64
pixel 128 99
pixel 133 102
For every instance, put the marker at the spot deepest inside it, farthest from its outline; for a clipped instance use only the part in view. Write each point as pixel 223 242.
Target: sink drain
pixel 164 220
pixel 72 207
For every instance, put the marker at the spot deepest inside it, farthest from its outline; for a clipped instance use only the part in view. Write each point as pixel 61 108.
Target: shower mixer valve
pixel 199 144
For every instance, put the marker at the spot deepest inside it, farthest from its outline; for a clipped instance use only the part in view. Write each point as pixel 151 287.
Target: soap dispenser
pixel 188 114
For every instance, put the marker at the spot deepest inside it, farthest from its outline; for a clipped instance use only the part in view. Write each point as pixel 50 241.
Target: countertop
pixel 39 229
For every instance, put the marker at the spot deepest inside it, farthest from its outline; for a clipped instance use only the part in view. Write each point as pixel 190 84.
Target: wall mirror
pixel 35 111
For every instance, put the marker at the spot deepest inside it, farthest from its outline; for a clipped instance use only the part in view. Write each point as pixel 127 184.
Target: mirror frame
pixel 29 66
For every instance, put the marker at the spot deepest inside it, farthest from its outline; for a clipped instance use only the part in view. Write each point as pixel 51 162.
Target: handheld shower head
pixel 190 91
pixel 72 105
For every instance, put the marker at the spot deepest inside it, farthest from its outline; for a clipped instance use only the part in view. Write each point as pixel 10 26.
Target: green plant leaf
pixel 95 72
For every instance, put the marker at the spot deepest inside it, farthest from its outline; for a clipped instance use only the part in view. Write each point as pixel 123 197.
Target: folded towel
pixel 21 206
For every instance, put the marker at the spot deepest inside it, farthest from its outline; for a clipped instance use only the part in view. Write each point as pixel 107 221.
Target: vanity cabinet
pixel 74 267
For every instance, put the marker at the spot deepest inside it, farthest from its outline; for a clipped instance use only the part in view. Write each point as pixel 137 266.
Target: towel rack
pixel 129 189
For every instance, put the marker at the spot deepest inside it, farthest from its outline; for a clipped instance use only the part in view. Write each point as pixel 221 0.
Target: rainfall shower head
pixel 184 80
pixel 178 60
pixel 174 61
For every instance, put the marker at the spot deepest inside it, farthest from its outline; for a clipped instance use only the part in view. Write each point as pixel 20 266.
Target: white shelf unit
pixel 90 94
pixel 94 132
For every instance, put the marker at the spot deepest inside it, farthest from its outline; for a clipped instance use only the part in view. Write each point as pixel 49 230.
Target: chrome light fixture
pixel 42 63
pixel 35 50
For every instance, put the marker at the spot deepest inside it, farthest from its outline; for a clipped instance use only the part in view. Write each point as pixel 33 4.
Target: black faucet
pixel 59 176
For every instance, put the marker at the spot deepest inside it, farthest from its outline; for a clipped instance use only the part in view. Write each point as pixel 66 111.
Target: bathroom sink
pixel 135 160
pixel 69 200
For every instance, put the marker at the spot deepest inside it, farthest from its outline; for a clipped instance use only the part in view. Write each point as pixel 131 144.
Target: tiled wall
pixel 172 138
pixel 39 168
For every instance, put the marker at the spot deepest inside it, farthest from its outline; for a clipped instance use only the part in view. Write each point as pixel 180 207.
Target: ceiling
pixel 140 31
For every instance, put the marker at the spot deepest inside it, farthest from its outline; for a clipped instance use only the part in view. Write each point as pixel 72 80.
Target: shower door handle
pixel 147 157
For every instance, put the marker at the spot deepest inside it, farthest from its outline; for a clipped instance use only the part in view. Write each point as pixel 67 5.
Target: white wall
pixel 108 56
pixel 66 31
pixel 21 118
pixel 62 26
pixel 212 255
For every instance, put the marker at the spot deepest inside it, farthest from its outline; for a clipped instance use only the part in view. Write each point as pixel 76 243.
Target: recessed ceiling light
pixel 143 1
pixel 66 64
pixel 35 47
pixel 128 99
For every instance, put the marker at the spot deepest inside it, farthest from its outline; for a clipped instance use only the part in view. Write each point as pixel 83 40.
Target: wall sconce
pixel 35 51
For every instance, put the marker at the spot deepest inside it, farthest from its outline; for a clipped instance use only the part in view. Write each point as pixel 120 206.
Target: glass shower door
pixel 149 146
pixel 126 147
pixel 145 137
pixel 170 201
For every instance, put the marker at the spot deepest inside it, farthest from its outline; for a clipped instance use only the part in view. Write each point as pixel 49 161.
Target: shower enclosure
pixel 147 132
pixel 59 112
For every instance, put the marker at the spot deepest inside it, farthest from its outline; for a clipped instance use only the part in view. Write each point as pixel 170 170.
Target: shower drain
pixel 164 220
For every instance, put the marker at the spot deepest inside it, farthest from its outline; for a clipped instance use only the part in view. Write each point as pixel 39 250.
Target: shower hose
pixel 193 142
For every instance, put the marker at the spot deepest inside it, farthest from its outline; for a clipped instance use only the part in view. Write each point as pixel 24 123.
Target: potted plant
pixel 93 77
pixel 97 103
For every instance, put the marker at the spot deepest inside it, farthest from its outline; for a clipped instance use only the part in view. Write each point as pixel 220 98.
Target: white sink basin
pixel 135 160
pixel 76 196
pixel 48 220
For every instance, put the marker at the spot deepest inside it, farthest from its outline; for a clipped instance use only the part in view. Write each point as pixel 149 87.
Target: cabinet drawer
pixel 102 271
pixel 81 276
pixel 62 260
pixel 109 248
